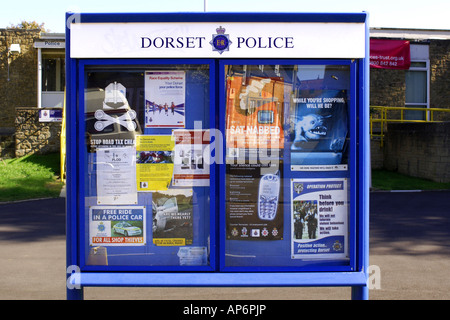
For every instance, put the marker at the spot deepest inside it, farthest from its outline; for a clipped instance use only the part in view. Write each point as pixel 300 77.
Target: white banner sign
pixel 217 40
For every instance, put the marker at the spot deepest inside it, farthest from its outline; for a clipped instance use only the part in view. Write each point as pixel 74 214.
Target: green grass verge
pixel 30 177
pixel 388 180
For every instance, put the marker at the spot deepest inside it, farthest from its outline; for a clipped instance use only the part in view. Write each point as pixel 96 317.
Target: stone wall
pixel 7 146
pixel 33 136
pixel 387 87
pixel 21 89
pixel 440 77
pixel 419 150
pixel 376 154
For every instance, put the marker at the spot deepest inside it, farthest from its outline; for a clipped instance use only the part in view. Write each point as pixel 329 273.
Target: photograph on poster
pixel 165 98
pixel 117 226
pixel 319 218
pixel 173 217
pixel 116 176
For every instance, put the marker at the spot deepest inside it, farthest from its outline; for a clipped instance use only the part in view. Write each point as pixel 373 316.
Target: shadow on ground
pixel 32 220
pixel 413 223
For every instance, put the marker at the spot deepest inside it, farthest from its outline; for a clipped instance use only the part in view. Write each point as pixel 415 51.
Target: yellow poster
pixel 154 162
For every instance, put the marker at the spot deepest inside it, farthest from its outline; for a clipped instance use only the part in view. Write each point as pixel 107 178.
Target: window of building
pixel 53 71
pixel 417 83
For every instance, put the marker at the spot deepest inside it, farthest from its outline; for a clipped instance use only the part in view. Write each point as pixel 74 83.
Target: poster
pixel 254 116
pixel 116 176
pixel 319 218
pixel 173 217
pixel 254 202
pixel 117 226
pixel 154 162
pixel 191 161
pixel 318 130
pixel 165 96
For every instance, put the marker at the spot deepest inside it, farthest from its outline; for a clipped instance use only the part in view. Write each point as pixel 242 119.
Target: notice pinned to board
pixel 173 217
pixel 191 159
pixel 117 226
pixel 165 93
pixel 319 220
pixel 116 176
pixel 154 162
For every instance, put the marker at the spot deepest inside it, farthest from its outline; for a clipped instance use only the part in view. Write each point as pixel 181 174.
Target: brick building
pixel 426 83
pixel 415 149
pixel 31 79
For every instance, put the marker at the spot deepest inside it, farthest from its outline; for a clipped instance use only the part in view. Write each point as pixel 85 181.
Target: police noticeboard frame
pixel 217 47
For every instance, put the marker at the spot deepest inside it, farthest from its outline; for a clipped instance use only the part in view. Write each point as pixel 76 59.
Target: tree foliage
pixel 28 25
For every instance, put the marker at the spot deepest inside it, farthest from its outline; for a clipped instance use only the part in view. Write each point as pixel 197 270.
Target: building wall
pixel 419 150
pixel 387 87
pixel 20 90
pixel 33 136
pixel 440 77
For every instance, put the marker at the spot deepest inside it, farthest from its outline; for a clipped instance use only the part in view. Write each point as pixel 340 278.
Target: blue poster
pixel 319 129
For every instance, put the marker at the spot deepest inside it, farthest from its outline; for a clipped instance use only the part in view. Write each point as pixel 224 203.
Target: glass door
pixel 289 160
pixel 146 191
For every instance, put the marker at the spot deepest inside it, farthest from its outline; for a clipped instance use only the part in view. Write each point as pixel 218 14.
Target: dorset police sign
pixel 214 40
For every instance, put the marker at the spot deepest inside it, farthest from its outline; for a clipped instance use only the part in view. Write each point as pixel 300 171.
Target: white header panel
pixel 217 40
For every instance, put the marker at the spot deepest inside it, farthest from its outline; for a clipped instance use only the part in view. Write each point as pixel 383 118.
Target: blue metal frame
pixel 328 276
pixel 221 17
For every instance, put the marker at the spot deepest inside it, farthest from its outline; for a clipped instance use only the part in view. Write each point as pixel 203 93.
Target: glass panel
pixel 287 165
pixel 416 94
pixel 53 72
pixel 416 87
pixel 143 206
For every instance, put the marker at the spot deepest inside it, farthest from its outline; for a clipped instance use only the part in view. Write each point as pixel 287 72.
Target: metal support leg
pixel 75 294
pixel 360 293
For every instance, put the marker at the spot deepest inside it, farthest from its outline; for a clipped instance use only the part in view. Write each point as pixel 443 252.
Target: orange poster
pixel 254 113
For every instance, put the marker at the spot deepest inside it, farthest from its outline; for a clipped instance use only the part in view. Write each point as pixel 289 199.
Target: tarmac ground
pixel 409 250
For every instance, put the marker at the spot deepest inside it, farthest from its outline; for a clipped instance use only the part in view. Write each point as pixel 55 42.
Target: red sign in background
pixel 390 54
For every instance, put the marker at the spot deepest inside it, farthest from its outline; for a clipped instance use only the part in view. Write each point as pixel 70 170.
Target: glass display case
pixel 146 183
pixel 217 150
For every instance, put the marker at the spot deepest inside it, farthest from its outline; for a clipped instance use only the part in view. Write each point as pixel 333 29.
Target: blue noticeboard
pixel 217 150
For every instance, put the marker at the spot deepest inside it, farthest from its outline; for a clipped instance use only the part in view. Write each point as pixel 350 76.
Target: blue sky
pixel 429 14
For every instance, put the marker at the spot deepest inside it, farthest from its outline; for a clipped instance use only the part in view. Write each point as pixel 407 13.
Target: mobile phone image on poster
pixel 165 96
pixel 319 218
pixel 253 202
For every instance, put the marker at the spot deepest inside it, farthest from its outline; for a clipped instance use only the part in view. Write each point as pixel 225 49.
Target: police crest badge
pixel 220 41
